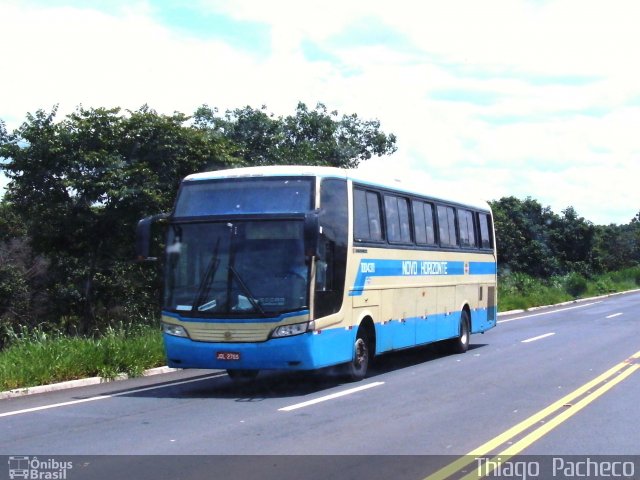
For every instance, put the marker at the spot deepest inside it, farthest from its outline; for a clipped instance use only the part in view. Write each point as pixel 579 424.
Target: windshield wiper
pixel 246 290
pixel 205 285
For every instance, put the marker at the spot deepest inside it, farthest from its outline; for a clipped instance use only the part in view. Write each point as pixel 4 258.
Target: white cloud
pixel 75 56
pixel 496 98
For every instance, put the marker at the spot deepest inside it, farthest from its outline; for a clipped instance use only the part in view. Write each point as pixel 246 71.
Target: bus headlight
pixel 290 330
pixel 175 330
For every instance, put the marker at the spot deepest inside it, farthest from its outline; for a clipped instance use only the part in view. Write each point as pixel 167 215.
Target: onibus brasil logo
pixel 38 469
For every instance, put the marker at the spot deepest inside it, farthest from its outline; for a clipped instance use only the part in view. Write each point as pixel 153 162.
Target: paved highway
pixel 556 381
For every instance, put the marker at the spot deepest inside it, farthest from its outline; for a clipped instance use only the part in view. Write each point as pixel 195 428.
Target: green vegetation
pixel 521 291
pixel 39 357
pixel 545 258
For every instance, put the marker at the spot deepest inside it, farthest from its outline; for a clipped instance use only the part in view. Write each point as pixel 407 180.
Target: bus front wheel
pixel 357 368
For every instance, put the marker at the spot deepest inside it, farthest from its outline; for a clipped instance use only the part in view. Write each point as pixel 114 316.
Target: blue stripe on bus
pixel 369 268
pixel 482 268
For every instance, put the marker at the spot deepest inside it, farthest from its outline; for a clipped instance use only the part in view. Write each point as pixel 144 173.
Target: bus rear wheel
pixel 460 344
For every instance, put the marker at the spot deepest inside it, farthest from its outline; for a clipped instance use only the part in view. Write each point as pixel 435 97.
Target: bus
pixel 19 467
pixel 301 268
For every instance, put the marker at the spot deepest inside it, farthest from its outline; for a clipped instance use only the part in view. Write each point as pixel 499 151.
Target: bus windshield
pixel 245 196
pixel 236 269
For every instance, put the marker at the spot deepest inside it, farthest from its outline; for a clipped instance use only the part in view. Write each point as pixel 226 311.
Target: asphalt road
pixel 555 382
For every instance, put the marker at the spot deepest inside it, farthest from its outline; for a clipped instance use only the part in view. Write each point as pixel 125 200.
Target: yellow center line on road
pixel 612 377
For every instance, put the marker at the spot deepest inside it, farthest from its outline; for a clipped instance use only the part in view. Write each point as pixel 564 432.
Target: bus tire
pixel 357 368
pixel 460 344
pixel 242 375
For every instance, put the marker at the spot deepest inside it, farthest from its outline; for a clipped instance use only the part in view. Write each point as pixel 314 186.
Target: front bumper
pixel 308 351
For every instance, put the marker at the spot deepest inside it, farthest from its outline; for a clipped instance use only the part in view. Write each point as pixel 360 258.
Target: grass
pixel 38 358
pixel 517 291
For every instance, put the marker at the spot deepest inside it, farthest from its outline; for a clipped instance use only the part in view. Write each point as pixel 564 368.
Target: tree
pixel 618 246
pixel 22 274
pixel 310 137
pixel 571 238
pixel 79 186
pixel 82 184
pixel 522 231
pixel 534 240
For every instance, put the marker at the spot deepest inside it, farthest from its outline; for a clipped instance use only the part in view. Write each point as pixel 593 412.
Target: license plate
pixel 227 356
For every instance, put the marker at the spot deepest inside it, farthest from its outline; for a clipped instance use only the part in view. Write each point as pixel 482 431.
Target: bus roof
pixel 408 186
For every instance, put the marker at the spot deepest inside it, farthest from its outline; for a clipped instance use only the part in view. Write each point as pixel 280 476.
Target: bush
pixel 635 274
pixel 575 284
pixel 38 357
pixel 604 284
pixel 627 279
pixel 520 291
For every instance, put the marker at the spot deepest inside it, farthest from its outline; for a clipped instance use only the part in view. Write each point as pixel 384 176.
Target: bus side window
pixel 466 228
pixel 360 215
pixel 423 223
pixel 373 209
pixel 366 213
pixel 397 219
pixel 447 226
pixel 428 215
pixel 485 236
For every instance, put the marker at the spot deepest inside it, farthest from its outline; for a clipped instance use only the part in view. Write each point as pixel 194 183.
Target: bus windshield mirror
pixel 311 233
pixel 143 236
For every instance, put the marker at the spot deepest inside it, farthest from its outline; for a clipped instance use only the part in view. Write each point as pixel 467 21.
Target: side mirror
pixel 311 233
pixel 143 236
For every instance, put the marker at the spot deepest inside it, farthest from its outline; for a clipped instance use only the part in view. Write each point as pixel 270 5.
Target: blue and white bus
pixel 300 268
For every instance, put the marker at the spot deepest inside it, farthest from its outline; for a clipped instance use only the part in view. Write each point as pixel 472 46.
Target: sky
pixel 492 98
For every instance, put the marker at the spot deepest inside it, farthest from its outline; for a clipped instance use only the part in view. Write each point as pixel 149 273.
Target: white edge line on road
pixel 548 313
pixel 104 397
pixel 330 397
pixel 614 315
pixel 539 337
pixel 81 382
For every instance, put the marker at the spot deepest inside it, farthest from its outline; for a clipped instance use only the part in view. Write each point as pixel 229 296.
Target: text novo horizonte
pixel 413 267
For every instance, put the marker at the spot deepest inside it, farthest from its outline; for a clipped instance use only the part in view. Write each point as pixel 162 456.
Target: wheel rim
pixel 361 357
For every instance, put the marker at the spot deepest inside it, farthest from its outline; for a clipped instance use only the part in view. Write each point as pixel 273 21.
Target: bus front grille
pixel 227 333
